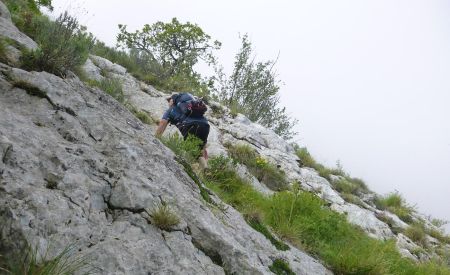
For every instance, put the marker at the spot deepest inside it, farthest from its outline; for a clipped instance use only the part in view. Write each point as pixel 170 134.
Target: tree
pixel 175 46
pixel 252 89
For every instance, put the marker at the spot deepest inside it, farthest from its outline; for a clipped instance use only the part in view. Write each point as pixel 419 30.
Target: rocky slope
pixel 78 168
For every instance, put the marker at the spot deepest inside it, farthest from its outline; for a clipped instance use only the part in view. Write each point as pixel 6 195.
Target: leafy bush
pixel 111 86
pixel 163 217
pixel 395 203
pixel 63 45
pixel 266 172
pixel 188 149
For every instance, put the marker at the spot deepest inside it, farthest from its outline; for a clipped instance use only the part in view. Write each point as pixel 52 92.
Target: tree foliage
pixel 252 89
pixel 175 46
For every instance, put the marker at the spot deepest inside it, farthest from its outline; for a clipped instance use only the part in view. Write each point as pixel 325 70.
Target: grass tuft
pixel 31 262
pixel 395 203
pixel 163 217
pixel 188 149
pixel 281 267
pixel 111 86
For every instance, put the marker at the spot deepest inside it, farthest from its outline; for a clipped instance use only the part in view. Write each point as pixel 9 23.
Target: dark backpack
pixel 190 106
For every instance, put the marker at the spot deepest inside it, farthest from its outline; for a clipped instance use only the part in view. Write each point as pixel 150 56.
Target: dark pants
pixel 198 129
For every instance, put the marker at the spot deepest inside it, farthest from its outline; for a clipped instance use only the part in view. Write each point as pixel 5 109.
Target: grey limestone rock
pixel 9 30
pixel 76 170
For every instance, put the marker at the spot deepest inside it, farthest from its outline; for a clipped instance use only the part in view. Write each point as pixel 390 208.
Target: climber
pixel 187 114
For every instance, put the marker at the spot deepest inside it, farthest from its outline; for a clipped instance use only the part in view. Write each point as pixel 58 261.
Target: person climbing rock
pixel 186 112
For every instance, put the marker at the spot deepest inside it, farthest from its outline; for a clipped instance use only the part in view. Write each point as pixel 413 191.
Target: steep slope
pixel 78 168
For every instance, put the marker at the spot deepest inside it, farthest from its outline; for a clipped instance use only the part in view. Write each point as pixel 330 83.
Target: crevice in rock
pixel 7 153
pixel 32 90
pixel 113 207
pixel 215 257
pixel 254 143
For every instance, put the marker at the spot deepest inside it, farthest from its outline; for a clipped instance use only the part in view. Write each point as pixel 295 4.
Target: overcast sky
pixel 369 81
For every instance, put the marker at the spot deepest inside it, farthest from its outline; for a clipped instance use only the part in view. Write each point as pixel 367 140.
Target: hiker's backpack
pixel 190 106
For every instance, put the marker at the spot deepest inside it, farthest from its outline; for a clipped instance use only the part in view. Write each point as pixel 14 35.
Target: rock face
pixel 226 129
pixel 8 30
pixel 77 168
pixel 74 167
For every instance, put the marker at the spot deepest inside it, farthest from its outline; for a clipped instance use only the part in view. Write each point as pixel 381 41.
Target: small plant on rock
pixel 163 216
pixel 33 263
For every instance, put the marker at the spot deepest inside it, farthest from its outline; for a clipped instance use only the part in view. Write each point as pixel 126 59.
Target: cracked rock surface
pixel 74 169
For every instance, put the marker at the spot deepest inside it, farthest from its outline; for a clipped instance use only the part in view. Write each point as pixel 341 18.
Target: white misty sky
pixel 368 80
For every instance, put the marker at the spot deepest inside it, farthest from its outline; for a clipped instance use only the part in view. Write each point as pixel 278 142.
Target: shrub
pixel 188 149
pixel 63 45
pixel 395 203
pixel 111 86
pixel 163 217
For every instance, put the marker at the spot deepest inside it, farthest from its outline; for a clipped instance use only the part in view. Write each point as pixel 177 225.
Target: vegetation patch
pixel 395 203
pixel 281 267
pixel 111 86
pixel 303 219
pixel 188 149
pixel 63 45
pixel 266 172
pixel 31 262
pixel 416 232
pixel 256 224
pixel 31 89
pixel 187 152
pixel 163 216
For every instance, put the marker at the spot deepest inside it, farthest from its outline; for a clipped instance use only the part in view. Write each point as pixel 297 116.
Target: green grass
pixel 30 262
pixel 163 217
pixel 395 203
pixel 303 219
pixel 188 149
pixel 256 224
pixel 111 86
pixel 143 116
pixel 281 267
pixel 416 232
pixel 266 172
pixel 187 152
